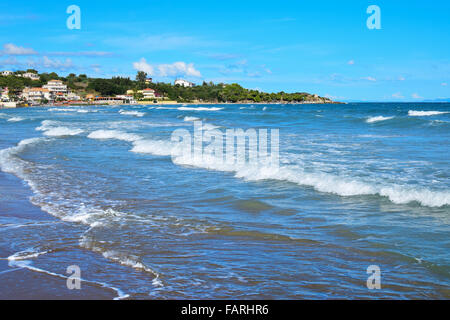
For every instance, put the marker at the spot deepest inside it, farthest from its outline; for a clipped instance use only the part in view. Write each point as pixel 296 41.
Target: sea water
pixel 357 185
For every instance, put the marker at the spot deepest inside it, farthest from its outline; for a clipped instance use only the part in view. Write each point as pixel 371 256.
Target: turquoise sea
pixel 96 187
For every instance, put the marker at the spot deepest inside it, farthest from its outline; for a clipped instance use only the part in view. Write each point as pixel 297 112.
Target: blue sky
pixel 321 47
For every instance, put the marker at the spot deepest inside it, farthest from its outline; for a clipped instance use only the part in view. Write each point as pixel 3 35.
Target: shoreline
pixel 172 104
pixel 28 281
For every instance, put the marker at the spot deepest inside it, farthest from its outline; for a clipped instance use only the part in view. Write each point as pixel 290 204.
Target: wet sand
pixel 22 283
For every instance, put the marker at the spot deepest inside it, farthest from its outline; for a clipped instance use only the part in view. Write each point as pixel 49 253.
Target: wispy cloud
pixel 43 63
pixel 397 95
pixel 47 63
pixel 175 69
pixel 351 62
pixel 80 54
pixel 416 96
pixel 223 56
pixel 161 42
pixel 14 50
pixel 369 79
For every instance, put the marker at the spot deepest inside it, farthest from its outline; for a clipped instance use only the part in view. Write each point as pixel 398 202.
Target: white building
pixel 148 93
pixel 4 94
pixel 30 75
pixel 56 87
pixel 36 94
pixel 184 83
pixel 6 73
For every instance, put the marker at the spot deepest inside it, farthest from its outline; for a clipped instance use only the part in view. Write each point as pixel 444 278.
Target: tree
pixel 141 76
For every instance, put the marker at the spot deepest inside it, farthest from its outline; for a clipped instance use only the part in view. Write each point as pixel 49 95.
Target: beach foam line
pixel 26 255
pixel 121 258
pixel 414 113
pixel 27 264
pixel 199 109
pixel 378 119
pixel 114 134
pixel 132 113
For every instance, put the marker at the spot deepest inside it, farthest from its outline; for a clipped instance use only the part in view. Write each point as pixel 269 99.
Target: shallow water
pixel 358 185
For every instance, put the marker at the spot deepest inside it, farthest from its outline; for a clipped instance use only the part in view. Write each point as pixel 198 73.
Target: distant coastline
pixel 29 88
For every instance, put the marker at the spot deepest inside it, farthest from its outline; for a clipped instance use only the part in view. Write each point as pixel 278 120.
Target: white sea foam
pixel 16 119
pixel 26 255
pixel 322 182
pixel 61 132
pixel 12 164
pixel 47 124
pixel 128 261
pixel 188 119
pixel 62 109
pixel 208 127
pixel 378 119
pixel 199 109
pixel 414 113
pixel 28 265
pixel 114 134
pixel 155 147
pixel 132 113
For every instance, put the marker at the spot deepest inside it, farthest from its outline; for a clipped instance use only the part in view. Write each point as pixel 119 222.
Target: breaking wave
pixel 154 147
pixel 378 119
pixel 414 113
pixel 188 119
pixel 322 182
pixel 15 119
pixel 114 134
pixel 132 113
pixel 61 132
pixel 199 109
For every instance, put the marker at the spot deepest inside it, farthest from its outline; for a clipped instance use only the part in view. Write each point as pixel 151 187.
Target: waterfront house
pixel 56 87
pixel 148 93
pixel 31 75
pixel 184 83
pixel 36 94
pixel 4 92
pixel 6 73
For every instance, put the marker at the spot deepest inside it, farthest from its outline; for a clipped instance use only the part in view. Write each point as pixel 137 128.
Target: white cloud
pixel 370 79
pixel 81 54
pixel 13 50
pixel 351 62
pixel 401 78
pixel 444 84
pixel 178 69
pixel 142 65
pixel 397 95
pixel 416 96
pixel 167 70
pixel 51 64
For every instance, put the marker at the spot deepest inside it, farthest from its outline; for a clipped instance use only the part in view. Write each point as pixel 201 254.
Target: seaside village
pixel 56 93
